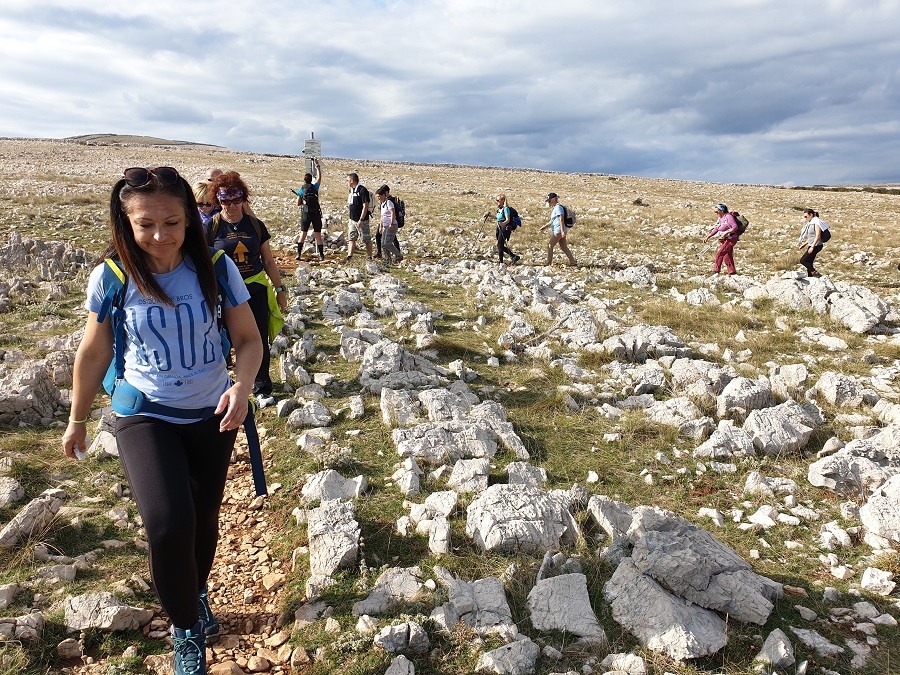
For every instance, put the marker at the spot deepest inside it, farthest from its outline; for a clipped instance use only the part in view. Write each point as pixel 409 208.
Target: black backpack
pixel 514 219
pixel 310 198
pixel 825 236
pixel 399 210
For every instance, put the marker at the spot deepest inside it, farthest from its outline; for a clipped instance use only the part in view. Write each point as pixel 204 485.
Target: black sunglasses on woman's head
pixel 138 176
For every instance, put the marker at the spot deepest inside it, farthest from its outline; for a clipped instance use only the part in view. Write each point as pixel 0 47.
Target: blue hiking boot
pixel 190 650
pixel 210 625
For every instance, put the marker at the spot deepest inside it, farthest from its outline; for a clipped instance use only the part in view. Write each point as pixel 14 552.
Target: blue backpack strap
pixel 220 265
pixel 114 281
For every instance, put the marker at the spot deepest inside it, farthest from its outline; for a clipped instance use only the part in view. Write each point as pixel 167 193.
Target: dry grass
pixel 444 206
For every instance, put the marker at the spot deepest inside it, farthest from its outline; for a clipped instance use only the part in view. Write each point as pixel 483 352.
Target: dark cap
pixel 552 195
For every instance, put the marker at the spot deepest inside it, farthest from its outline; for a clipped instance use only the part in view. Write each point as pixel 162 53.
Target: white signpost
pixel 311 148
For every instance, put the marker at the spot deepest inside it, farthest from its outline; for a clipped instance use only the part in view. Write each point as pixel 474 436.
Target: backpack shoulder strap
pixel 114 281
pixel 212 229
pixel 257 226
pixel 220 265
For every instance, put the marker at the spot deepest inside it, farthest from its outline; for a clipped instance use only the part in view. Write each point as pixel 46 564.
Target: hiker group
pixel 730 225
pixel 188 276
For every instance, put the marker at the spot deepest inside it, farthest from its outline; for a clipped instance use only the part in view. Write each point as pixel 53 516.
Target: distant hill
pixel 118 139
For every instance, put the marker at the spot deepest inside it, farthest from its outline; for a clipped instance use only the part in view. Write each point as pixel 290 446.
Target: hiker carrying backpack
pixel 507 221
pixel 812 238
pixel 179 410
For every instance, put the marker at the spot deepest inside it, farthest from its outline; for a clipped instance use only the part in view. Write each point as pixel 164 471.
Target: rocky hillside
pixel 631 465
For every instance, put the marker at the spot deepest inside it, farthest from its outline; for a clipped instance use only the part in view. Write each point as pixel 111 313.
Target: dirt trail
pixel 246 587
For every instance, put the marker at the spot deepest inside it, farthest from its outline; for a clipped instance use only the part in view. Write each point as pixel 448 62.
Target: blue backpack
pixel 128 399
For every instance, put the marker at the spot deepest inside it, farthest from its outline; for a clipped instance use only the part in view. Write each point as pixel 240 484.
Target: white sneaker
pixel 264 401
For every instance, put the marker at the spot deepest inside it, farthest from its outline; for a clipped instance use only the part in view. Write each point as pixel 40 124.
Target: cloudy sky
pixel 753 91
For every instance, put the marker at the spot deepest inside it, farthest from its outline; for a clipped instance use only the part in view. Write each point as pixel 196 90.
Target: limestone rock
pixel 777 650
pixel 840 390
pixel 562 603
pixel 516 658
pixel 27 395
pixel 780 429
pixel 697 567
pixel 102 610
pixel 333 537
pixel 659 620
pixel 387 364
pixel 407 636
pixel 481 605
pixel 511 518
pixel 741 396
pixel 395 585
pixel 401 666
pixel 32 517
pixel 312 414
pixel 725 442
pixel 399 408
pixel 470 475
pixel 861 466
pixel 11 491
pixel 329 484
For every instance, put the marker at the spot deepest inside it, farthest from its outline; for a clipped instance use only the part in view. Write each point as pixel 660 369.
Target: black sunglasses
pixel 138 176
pixel 204 204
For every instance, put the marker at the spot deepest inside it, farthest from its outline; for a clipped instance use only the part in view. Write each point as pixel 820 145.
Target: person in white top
pixel 388 227
pixel 812 239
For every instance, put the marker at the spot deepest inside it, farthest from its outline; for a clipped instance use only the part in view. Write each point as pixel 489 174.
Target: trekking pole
pixel 256 463
pixel 708 246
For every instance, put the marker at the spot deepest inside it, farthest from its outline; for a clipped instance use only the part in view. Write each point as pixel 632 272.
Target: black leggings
pixel 502 238
pixel 259 305
pixel 809 258
pixel 177 476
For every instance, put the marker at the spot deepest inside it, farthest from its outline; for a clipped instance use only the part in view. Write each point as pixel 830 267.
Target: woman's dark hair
pixel 230 180
pixel 812 213
pixel 133 259
pixel 383 190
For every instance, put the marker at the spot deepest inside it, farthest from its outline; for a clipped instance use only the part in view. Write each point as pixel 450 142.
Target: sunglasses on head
pixel 138 176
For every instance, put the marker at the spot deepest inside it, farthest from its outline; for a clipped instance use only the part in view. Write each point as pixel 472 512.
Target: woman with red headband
pixel 177 433
pixel 246 241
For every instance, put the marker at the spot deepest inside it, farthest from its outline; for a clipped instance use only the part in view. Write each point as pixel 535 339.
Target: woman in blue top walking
pixel 175 464
pixel 504 230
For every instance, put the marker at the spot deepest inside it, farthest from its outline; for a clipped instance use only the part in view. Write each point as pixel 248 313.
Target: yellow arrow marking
pixel 240 253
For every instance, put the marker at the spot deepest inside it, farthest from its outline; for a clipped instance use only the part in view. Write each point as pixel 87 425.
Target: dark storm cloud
pixel 760 91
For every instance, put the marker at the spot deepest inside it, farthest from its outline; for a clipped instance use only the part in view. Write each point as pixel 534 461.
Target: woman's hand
pixel 281 299
pixel 234 404
pixel 74 437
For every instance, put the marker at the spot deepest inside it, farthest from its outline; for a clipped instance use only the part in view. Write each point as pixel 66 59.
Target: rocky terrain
pixel 629 466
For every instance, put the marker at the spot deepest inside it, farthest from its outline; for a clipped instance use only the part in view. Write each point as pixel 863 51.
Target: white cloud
pixel 760 91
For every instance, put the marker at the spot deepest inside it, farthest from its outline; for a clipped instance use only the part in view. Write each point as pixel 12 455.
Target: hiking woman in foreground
pixel 814 234
pixel 176 441
pixel 727 226
pixel 245 239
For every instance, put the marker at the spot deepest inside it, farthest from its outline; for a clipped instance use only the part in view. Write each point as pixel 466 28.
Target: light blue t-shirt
pixel 557 215
pixel 173 354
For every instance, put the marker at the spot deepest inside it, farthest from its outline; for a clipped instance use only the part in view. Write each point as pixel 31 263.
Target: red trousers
pixel 725 254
